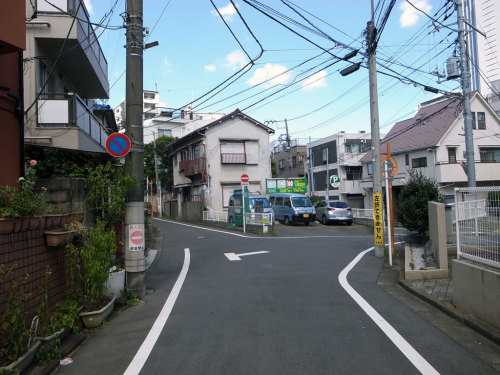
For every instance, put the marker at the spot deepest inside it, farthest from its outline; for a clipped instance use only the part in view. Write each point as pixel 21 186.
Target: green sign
pixel 286 185
pixel 335 181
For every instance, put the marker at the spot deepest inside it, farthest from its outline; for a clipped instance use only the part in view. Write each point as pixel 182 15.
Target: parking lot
pixel 317 229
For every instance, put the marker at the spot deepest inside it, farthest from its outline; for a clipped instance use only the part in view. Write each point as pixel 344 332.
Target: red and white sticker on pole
pixel 136 239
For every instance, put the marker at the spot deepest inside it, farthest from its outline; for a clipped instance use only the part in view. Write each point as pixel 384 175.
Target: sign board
pixel 118 145
pixel 335 181
pixel 378 222
pixel 286 185
pixel 244 178
pixel 136 239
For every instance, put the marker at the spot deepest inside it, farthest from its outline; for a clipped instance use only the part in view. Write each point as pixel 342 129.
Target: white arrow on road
pixel 233 257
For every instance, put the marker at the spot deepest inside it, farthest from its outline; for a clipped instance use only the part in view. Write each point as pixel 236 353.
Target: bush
pixel 412 202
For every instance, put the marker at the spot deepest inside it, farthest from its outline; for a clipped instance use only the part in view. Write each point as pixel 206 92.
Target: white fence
pixel 215 216
pixel 362 213
pixel 259 219
pixel 477 224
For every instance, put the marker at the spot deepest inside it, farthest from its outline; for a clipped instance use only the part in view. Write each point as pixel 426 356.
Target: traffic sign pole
pixel 244 182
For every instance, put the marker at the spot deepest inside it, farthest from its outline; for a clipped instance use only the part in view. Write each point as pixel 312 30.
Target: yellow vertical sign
pixel 378 223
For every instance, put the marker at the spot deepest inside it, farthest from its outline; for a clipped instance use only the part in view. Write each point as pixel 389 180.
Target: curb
pixel 479 326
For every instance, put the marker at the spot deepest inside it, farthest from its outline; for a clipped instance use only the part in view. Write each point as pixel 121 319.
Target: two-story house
pixel 290 161
pixel 208 162
pixel 335 168
pixel 433 141
pixel 65 72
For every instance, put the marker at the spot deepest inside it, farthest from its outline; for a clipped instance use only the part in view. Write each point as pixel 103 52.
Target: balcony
pixel 65 121
pixel 81 60
pixel 193 167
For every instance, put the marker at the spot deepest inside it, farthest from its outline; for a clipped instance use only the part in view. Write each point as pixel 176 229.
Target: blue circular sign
pixel 118 145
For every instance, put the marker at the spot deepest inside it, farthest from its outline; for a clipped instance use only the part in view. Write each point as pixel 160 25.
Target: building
pixel 65 73
pixel 12 44
pixel 290 161
pixel 433 142
pixel 335 168
pixel 484 50
pixel 176 123
pixel 152 107
pixel 209 162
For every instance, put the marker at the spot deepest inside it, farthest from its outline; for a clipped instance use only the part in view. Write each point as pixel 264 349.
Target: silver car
pixel 333 211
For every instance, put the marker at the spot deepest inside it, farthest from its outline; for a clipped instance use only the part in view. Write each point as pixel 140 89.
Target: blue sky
pixel 197 52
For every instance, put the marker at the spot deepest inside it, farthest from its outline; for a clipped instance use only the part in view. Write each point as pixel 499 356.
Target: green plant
pixel 412 202
pixel 95 258
pixel 314 199
pixel 108 186
pixel 127 299
pixel 15 334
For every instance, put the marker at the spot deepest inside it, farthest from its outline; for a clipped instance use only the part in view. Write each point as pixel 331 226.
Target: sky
pixel 295 73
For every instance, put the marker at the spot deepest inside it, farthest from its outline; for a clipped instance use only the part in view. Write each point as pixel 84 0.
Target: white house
pixel 338 156
pixel 208 162
pixel 433 141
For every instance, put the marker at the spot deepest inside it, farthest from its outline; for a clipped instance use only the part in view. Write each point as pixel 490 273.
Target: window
pixel 352 148
pixel 281 164
pixel 370 169
pixel 407 160
pixel 481 120
pixel 164 132
pixel 196 151
pixel 287 202
pixel 301 158
pixel 353 173
pixel 294 161
pixel 419 162
pixel 184 155
pixel 325 154
pixel 490 155
pixel 279 201
pixel 232 153
pixel 452 155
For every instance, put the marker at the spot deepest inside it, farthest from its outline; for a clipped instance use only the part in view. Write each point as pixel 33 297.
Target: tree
pixel 163 151
pixel 274 171
pixel 412 202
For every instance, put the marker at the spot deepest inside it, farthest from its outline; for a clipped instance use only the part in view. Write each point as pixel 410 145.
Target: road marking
pixel 413 356
pixel 147 346
pixel 235 257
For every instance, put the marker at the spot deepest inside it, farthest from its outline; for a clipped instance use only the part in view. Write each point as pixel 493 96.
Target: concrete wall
pixel 192 211
pixel 437 233
pixel 477 291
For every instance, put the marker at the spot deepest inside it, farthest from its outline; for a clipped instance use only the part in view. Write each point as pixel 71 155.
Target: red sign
pixel 244 178
pixel 289 183
pixel 137 237
pixel 118 145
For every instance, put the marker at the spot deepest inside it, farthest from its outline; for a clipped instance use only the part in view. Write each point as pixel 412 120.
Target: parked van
pixel 254 203
pixel 292 208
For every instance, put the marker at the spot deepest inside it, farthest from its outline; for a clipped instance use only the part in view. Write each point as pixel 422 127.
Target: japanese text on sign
pixel 136 237
pixel 378 223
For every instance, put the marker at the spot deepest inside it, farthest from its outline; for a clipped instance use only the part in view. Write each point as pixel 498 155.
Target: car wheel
pixel 348 222
pixel 323 220
pixel 287 220
pixel 306 223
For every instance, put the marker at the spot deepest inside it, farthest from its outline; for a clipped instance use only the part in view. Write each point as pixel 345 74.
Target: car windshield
pixel 259 202
pixel 301 202
pixel 338 204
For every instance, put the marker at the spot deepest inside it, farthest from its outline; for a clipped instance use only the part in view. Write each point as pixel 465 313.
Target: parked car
pixel 254 203
pixel 292 208
pixel 333 211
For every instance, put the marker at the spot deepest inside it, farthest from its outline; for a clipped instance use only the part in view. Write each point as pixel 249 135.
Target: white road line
pixel 235 257
pixel 147 346
pixel 413 356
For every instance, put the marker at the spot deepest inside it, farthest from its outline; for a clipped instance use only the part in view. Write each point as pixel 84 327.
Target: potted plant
pixel 95 260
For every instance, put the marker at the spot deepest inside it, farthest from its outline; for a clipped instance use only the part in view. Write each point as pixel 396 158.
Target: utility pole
pixel 135 264
pixel 327 189
pixel 158 193
pixel 375 131
pixel 289 147
pixel 465 78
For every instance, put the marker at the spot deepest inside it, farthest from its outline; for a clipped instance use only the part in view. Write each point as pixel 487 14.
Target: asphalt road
pixel 280 309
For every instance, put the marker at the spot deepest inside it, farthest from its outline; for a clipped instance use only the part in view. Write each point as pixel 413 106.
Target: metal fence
pixel 259 219
pixel 477 224
pixel 362 213
pixel 215 216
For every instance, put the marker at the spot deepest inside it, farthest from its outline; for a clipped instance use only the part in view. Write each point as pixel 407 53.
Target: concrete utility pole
pixel 375 132
pixel 465 78
pixel 135 264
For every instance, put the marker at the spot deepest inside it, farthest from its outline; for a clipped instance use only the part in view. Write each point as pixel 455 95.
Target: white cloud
pixel 235 60
pixel 314 81
pixel 165 67
pixel 88 5
pixel 410 15
pixel 210 68
pixel 276 74
pixel 227 12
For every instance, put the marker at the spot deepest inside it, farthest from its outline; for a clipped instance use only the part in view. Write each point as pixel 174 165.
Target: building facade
pixel 290 161
pixel 208 163
pixel 335 168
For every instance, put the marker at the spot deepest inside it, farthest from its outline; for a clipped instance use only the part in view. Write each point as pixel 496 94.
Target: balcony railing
pixel 69 111
pixel 193 167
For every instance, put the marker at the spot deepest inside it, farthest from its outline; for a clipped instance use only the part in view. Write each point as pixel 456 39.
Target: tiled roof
pixel 425 129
